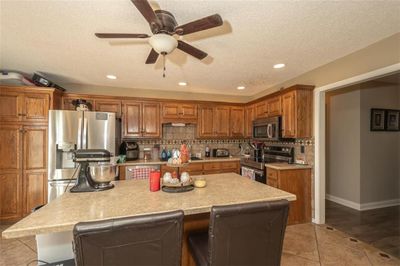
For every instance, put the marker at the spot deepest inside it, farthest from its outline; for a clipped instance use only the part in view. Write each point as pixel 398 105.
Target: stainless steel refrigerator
pixel 72 130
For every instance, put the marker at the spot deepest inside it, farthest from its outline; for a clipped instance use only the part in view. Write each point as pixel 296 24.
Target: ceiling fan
pixel 163 26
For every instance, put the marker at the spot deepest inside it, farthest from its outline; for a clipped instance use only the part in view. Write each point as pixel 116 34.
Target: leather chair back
pixel 247 234
pixel 142 240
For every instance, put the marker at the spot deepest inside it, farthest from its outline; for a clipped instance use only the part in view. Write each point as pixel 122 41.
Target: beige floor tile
pixel 300 241
pixel 331 254
pixel 30 242
pixel 16 253
pixel 292 260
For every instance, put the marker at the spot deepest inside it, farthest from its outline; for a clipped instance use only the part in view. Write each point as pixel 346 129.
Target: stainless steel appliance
pixel 70 131
pixel 267 128
pixel 220 152
pixel 94 175
pixel 254 167
pixel 130 149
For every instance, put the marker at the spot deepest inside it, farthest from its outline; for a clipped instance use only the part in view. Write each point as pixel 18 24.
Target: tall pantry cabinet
pixel 23 148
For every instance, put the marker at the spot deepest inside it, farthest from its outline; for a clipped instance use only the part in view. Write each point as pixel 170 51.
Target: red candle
pixel 155 180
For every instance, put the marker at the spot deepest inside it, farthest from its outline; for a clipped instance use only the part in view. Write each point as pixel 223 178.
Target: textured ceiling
pixel 57 38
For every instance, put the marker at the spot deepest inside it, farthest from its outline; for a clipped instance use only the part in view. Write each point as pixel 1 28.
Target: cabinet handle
pixel 21 114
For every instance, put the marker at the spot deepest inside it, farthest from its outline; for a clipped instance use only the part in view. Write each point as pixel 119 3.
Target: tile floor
pixel 305 244
pixel 379 228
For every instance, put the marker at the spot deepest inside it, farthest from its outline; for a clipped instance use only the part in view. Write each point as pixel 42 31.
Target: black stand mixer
pixel 95 171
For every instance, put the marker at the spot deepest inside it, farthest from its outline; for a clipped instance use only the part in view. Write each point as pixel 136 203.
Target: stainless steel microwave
pixel 267 128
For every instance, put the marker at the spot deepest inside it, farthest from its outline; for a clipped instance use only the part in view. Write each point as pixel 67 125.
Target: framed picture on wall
pixel 393 120
pixel 377 119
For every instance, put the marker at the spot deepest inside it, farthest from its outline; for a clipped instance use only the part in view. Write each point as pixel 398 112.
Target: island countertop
pixel 132 197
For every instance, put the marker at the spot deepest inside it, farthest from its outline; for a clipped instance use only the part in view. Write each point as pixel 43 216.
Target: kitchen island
pixel 53 223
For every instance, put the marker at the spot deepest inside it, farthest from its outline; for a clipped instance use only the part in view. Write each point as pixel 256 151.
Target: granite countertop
pixel 203 160
pixel 133 197
pixel 286 166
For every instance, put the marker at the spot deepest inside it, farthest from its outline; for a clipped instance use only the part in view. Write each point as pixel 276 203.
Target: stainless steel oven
pixel 267 128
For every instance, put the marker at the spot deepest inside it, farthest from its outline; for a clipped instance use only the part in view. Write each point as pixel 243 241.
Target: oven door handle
pixel 269 131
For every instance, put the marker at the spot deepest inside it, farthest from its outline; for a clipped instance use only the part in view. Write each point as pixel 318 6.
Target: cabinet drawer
pixel 194 167
pixel 272 174
pixel 212 166
pixel 229 165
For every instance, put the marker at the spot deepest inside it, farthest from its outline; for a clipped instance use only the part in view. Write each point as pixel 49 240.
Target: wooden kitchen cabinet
pixel 260 109
pixel 141 120
pixel 10 196
pixel 112 106
pixel 297 112
pixel 248 125
pixel 67 102
pixel 213 121
pixel 18 105
pixel 298 182
pixel 178 111
pixel 273 106
pixel 237 122
pixel 206 168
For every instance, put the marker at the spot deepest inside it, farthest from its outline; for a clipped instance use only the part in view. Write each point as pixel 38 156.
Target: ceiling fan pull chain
pixel 163 65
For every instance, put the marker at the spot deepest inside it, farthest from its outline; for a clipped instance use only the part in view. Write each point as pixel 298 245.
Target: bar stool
pixel 242 234
pixel 142 240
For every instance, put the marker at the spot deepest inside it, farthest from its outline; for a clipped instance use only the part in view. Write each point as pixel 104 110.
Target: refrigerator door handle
pixel 80 134
pixel 85 134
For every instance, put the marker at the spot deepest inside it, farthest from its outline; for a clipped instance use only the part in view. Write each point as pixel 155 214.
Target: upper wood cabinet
pixel 141 120
pixel 67 102
pixel 260 109
pixel 273 106
pixel 213 121
pixel 248 121
pixel 178 111
pixel 297 113
pixel 237 118
pixel 20 105
pixel 112 106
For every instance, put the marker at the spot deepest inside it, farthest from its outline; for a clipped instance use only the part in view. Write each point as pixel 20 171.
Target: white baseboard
pixel 344 202
pixel 380 204
pixel 363 206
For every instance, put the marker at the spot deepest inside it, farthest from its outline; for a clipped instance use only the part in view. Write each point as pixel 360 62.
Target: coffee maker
pixel 95 170
pixel 130 149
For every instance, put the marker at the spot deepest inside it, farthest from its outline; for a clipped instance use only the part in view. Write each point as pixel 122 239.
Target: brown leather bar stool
pixel 242 234
pixel 142 240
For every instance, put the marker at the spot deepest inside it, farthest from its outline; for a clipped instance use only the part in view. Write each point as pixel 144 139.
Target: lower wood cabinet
pixel 206 168
pixel 297 182
pixel 10 196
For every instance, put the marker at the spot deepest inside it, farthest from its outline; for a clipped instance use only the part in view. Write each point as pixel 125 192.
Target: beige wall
pixel 380 153
pixel 362 166
pixel 343 142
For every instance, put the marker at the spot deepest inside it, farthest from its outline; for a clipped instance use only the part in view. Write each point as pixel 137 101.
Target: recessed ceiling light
pixel 241 87
pixel 279 65
pixel 182 83
pixel 111 77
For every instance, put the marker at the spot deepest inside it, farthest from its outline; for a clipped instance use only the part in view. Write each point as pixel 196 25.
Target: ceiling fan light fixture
pixel 163 43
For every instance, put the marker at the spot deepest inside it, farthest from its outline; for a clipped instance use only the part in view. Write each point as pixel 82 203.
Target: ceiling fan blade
pixel 193 51
pixel 199 25
pixel 152 58
pixel 121 35
pixel 148 13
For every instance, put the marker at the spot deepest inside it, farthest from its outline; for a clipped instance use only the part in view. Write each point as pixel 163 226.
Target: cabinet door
pixel 108 106
pixel 274 107
pixel 170 110
pixel 237 122
pixel 36 107
pixel 206 118
pixel 289 115
pixel 260 110
pixel 249 117
pixel 221 121
pixel 132 119
pixel 10 195
pixel 151 120
pixel 35 148
pixel 10 105
pixel 10 148
pixel 67 103
pixel 188 111
pixel 35 190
